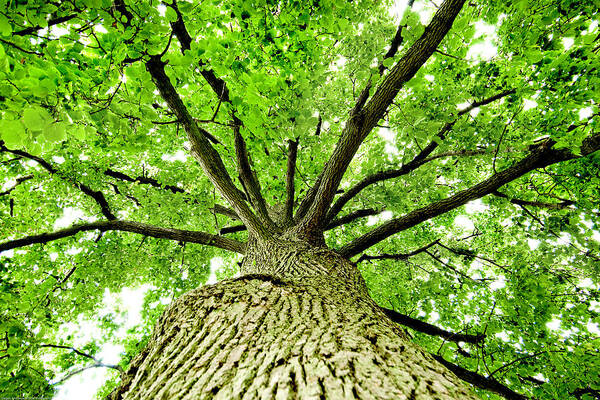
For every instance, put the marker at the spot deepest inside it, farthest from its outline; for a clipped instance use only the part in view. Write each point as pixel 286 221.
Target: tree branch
pixel 421 158
pixel 319 125
pixel 579 393
pixel 209 159
pixel 308 199
pixel 232 229
pixel 129 226
pixel 540 204
pixel 73 349
pixel 248 178
pixel 541 156
pixel 480 381
pixel 51 22
pixel 228 212
pixel 401 256
pixel 362 122
pixel 430 329
pixel 142 180
pixel 472 254
pixel 351 217
pixel 80 370
pixel 96 195
pixel 218 85
pixel 394 46
pixel 18 181
pixel 289 181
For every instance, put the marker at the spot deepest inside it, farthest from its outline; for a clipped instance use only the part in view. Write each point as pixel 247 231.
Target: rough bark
pixel 298 324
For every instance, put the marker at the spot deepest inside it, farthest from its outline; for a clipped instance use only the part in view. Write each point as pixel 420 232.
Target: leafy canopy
pixel 87 138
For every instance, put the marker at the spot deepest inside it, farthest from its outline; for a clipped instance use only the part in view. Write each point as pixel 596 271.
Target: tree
pixel 476 269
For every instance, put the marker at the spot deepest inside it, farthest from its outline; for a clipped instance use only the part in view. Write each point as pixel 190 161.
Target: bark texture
pixel 304 330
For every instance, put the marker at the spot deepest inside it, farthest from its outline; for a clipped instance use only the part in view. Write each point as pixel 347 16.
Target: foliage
pixel 77 101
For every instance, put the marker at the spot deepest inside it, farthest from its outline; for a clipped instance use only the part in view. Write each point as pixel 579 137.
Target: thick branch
pixel 209 159
pixel 248 178
pixel 480 381
pixel 218 85
pixel 228 212
pixel 413 59
pixel 232 229
pixel 541 156
pixel 96 195
pixel 129 226
pixel 429 329
pixel 289 180
pixel 362 122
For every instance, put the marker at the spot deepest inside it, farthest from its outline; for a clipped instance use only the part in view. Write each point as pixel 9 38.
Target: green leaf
pixel 12 133
pixel 534 56
pixel 56 132
pixel 388 62
pixel 36 118
pixel 171 14
pixel 78 131
pixel 5 27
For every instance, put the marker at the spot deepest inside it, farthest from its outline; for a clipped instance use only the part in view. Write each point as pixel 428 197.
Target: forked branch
pixel 208 157
pixel 421 158
pixel 362 121
pixel 247 175
pixel 96 195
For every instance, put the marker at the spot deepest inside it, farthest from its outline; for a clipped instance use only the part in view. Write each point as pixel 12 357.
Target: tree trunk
pixel 298 324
